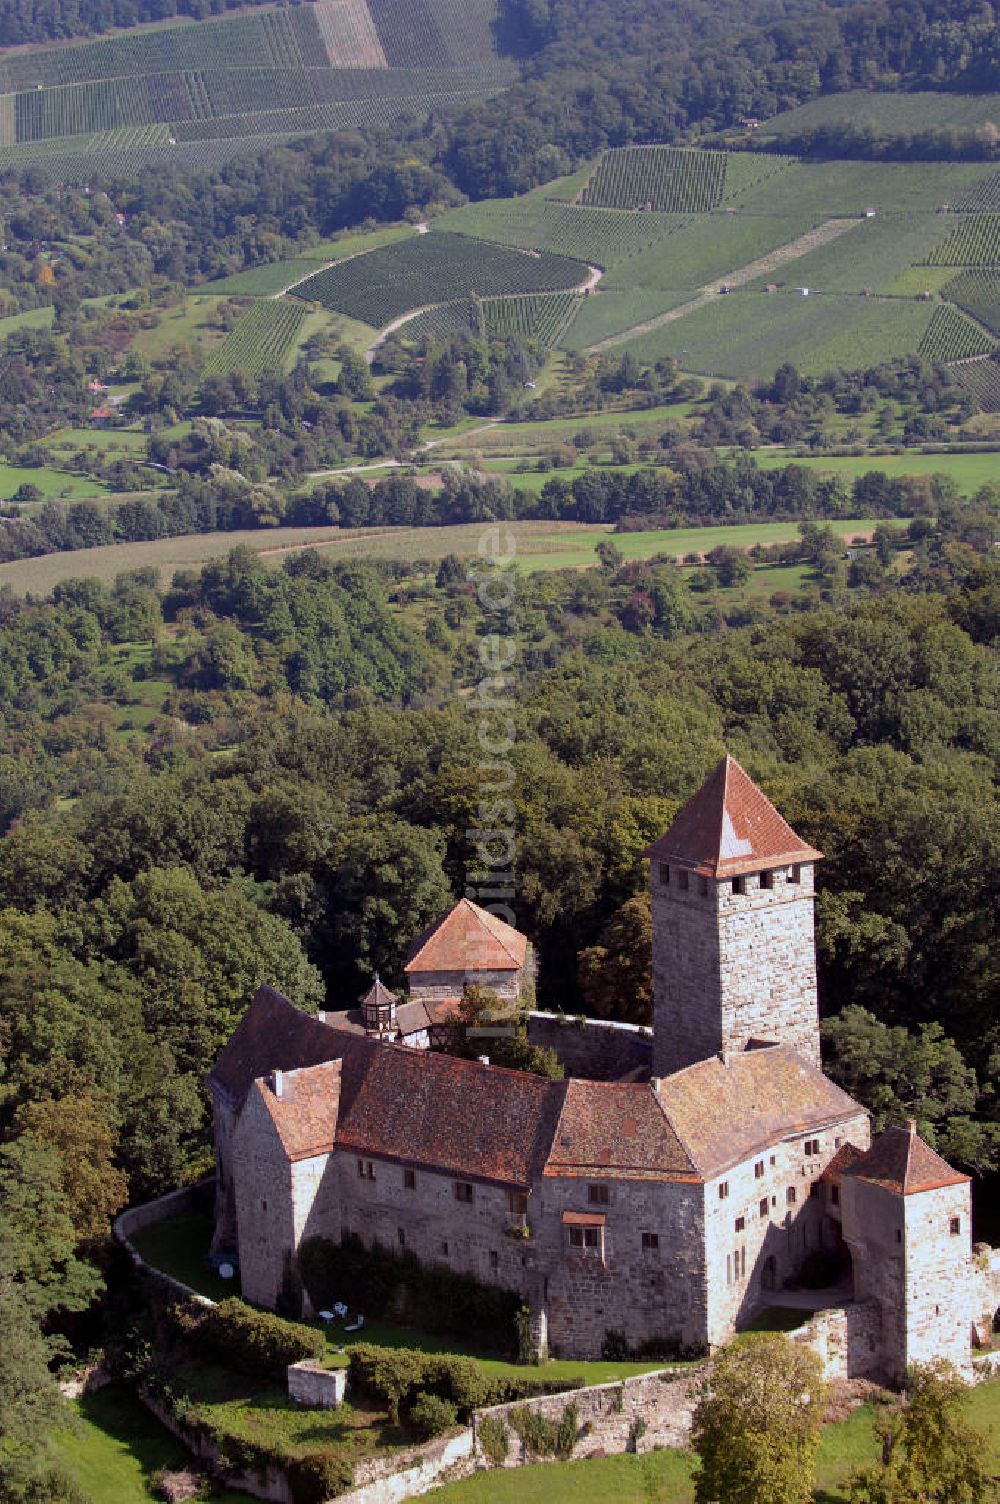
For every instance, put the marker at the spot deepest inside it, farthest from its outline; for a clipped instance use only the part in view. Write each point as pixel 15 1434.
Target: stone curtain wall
pixel 187 1199
pixel 594 1049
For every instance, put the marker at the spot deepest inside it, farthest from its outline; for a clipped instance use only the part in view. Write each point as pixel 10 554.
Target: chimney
pixel 278 1084
pixel 483 1059
pixel 321 1015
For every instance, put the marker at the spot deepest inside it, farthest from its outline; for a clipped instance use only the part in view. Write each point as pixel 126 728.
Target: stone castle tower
pixel 734 955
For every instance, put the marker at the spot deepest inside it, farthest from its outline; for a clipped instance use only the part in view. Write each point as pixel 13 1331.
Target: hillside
pixel 195 94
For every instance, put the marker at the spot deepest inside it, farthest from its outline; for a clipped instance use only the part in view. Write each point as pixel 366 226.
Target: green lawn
pixel 51 483
pixel 178 1247
pixel 968 471
pixel 116 1448
pixel 581 549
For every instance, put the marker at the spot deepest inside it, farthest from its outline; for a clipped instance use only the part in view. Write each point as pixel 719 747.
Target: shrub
pixel 399 1285
pixel 318 1476
pixel 394 1376
pixel 543 1437
pixel 431 1415
pixel 256 1341
pixel 494 1438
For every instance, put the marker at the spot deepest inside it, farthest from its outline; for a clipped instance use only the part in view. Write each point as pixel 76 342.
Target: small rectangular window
pixel 463 1191
pixel 812 1146
pixel 723 1190
pixel 835 1194
pixel 741 1223
pixel 703 886
pixel 650 1242
pixel 494 1260
pixel 664 874
pixel 409 1180
pixel 790 1196
pixel 758 1170
pixel 366 1170
pixel 517 1203
pixel 444 1250
pixel 814 1188
pixel 401 1237
pixel 682 880
pixel 767 880
pixel 899 1234
pixel 795 874
pixel 585 1237
pixel 837 1143
pixel 739 884
pixel 743 1263
pixel 598 1195
pixel 263 1206
pixel 729 1268
pixel 774 1160
pixel 956 1226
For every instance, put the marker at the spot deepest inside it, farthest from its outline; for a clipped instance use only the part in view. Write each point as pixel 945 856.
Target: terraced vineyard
pixel 982 379
pixel 952 336
pixel 974 241
pixel 260 76
pixel 542 317
pixel 261 340
pixel 658 177
pixel 439 323
pixel 979 294
pixel 601 236
pixel 982 196
pixel 384 284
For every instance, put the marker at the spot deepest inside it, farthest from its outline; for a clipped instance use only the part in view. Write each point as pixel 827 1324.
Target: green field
pixel 889 112
pixel 51 483
pixel 747 334
pixel 968 471
pixel 384 284
pixel 606 313
pixel 706 248
pixel 580 551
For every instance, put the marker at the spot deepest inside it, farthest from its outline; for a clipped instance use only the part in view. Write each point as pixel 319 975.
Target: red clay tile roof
pixel 479 1122
pixel 272 1035
pixel 305 1114
pixel 606 1128
pixel 900 1161
pixel 724 1113
pixel 729 828
pixel 412 1018
pixel 847 1155
pixel 468 938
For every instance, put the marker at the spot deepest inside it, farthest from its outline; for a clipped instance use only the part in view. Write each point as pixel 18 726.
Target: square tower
pixel 907 1220
pixel 734 953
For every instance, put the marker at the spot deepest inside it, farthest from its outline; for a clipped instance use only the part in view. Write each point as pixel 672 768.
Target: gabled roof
pixel 305 1112
pixel 468 938
pixel 847 1155
pixel 729 828
pixel 609 1129
pixel 272 1035
pixel 725 1111
pixel 900 1161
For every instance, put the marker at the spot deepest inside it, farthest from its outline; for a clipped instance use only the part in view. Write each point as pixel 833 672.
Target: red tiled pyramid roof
pixel 729 828
pixel 900 1161
pixel 378 995
pixel 725 1111
pixel 606 1128
pixel 468 938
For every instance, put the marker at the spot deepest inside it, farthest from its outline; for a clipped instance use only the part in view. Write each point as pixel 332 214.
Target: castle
pixel 668 1204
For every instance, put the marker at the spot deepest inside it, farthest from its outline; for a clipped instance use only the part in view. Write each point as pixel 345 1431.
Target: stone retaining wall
pixel 453 1455
pixel 150 1212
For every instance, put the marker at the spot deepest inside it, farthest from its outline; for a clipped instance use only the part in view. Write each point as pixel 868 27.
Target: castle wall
pixel 594 1049
pixel 729 967
pixel 265 1207
pixel 769 1219
pixel 873 1226
pixel 941 1290
pixel 223 1123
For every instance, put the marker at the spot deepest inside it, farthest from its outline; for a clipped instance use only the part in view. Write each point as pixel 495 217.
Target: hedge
pixel 394 1376
pixel 431 1415
pixel 402 1289
pixel 258 1342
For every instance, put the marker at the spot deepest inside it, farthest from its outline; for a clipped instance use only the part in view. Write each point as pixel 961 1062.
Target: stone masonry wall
pixel 431 986
pixel 873 1230
pixel 316 1387
pixel 594 1049
pixel 768 1220
pixel 264 1203
pixel 729 967
pixel 941 1283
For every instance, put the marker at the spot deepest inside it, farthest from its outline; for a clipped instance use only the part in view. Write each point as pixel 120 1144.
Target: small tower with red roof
pixel 907 1219
pixel 734 955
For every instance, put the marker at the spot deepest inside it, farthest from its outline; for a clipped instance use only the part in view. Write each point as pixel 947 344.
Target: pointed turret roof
pixel 468 938
pixel 900 1161
pixel 378 995
pixel 730 827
